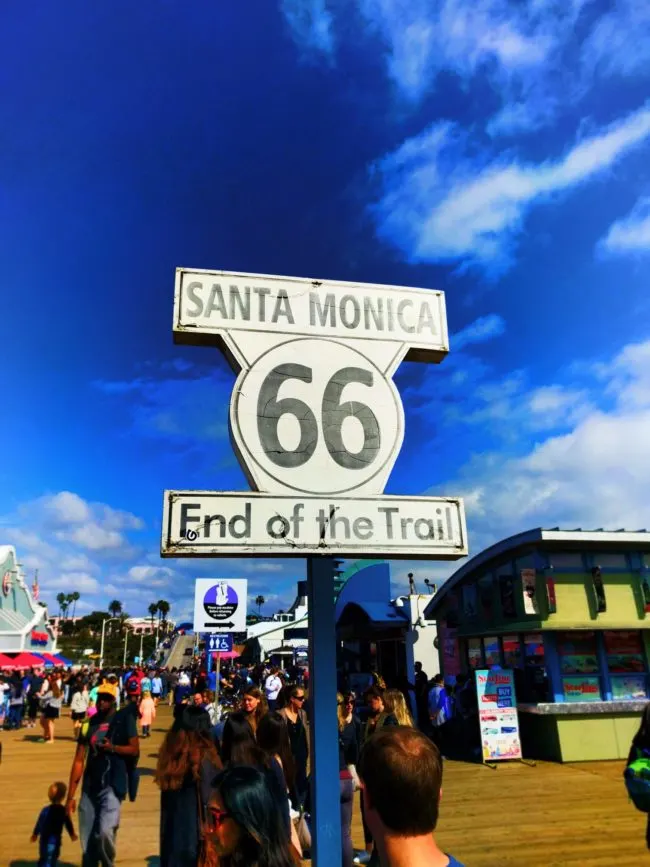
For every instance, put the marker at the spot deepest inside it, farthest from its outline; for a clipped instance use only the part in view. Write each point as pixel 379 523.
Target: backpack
pixel 637 782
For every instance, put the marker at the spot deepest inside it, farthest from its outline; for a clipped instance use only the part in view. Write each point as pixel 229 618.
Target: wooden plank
pixel 570 815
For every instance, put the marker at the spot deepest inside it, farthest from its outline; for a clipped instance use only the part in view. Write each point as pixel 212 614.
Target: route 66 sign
pixel 314 414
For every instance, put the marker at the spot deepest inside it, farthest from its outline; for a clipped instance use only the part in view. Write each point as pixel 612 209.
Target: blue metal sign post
pixel 324 746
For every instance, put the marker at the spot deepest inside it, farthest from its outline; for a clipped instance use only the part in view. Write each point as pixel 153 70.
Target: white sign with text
pixel 220 604
pixel 205 523
pixel 315 418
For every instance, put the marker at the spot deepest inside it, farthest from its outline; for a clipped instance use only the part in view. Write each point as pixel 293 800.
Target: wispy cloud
pixel 630 235
pixel 441 203
pixel 619 43
pixel 504 39
pixel 482 329
pixel 311 26
pixel 578 475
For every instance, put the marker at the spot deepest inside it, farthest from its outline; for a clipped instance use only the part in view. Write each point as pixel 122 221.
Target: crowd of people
pixel 233 775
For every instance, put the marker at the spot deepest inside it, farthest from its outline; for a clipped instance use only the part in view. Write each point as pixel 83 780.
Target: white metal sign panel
pixel 204 523
pixel 220 604
pixel 212 304
pixel 317 417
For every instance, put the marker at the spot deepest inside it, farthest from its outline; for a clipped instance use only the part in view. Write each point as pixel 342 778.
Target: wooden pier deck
pixel 516 815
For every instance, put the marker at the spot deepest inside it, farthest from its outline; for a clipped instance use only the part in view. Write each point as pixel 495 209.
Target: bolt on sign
pixel 315 419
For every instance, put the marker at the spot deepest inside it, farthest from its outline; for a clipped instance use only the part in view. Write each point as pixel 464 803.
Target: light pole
pixel 101 649
pixel 126 638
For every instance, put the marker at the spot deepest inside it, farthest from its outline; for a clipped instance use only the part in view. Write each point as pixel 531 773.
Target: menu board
pixel 627 687
pixel 581 688
pixel 450 650
pixel 498 720
pixel 578 653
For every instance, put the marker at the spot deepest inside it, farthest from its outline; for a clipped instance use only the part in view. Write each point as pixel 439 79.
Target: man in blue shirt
pixel 401 775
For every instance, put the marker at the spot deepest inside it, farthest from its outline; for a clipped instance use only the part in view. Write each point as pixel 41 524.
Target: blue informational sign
pixel 216 643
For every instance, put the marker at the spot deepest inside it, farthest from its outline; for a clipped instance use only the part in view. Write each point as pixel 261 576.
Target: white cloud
pixel 506 40
pixel 630 235
pixel 439 204
pixel 482 329
pixel 596 474
pixel 150 576
pixel 92 536
pixel 619 42
pixel 82 582
pixel 310 23
pixel 67 508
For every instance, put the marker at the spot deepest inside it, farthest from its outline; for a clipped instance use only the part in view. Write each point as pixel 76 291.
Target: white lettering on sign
pixel 212 303
pixel 198 523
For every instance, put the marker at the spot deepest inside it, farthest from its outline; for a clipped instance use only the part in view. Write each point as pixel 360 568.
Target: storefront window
pixel 492 652
pixel 534 648
pixel 535 686
pixel 611 561
pixel 566 560
pixel 627 664
pixel 511 651
pixel 474 653
pixel 578 652
pixel 579 656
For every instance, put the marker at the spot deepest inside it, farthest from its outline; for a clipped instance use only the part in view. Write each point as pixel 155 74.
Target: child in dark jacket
pixel 49 827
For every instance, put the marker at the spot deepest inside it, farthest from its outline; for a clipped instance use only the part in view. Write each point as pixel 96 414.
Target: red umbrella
pixel 27 660
pixel 6 662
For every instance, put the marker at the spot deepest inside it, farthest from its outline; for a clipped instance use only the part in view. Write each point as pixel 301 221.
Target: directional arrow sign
pixel 220 605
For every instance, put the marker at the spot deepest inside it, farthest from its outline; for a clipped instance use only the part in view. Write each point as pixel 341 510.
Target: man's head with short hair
pixel 401 773
pixel 418 666
pixel 438 680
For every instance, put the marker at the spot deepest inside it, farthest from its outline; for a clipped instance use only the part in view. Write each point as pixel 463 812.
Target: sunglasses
pixel 298 697
pixel 218 816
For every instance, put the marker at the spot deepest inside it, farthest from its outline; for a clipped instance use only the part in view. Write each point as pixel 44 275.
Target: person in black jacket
pixel 49 827
pixel 349 748
pixel 639 749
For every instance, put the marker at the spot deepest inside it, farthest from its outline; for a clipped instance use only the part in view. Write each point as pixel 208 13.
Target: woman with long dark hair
pixel 187 763
pixel 246 826
pixel 273 739
pixel 254 706
pixel 238 744
pixel 298 727
pixel 239 747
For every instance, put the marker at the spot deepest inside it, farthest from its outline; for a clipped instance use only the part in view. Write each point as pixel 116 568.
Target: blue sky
pixel 496 150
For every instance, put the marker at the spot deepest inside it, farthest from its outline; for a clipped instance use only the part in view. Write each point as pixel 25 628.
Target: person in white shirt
pixel 272 686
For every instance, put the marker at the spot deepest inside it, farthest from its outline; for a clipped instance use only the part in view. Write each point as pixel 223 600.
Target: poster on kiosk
pixel 498 719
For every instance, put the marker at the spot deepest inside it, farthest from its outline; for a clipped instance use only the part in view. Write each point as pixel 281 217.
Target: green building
pixel 569 613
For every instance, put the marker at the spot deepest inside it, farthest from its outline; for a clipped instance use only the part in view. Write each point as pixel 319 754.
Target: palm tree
pixel 69 600
pixel 75 598
pixel 163 608
pixel 153 610
pixel 64 607
pixel 259 601
pixel 60 598
pixel 115 608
